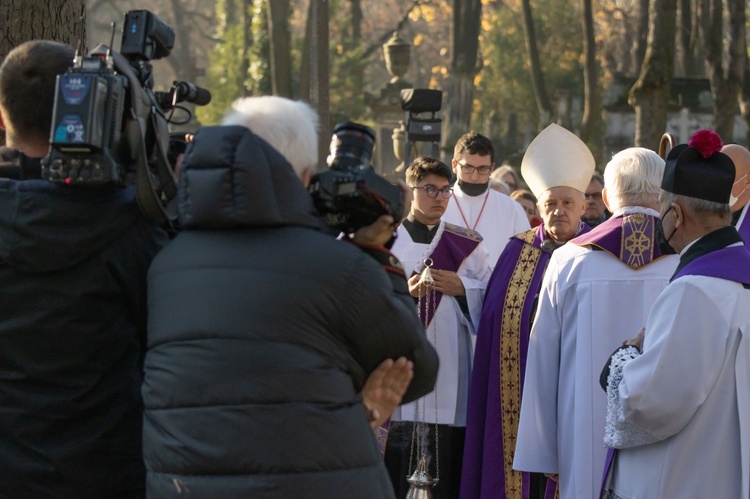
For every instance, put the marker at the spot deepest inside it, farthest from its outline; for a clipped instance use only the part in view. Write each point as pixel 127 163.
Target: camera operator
pixel 265 333
pixel 73 263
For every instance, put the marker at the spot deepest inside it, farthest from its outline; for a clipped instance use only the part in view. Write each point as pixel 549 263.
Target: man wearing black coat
pixel 73 265
pixel 263 329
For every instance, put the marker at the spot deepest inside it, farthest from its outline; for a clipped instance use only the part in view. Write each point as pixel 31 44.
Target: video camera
pixel 416 101
pixel 350 195
pixel 109 127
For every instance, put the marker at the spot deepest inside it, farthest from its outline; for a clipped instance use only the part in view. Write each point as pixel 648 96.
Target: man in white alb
pixel 494 215
pixel 450 309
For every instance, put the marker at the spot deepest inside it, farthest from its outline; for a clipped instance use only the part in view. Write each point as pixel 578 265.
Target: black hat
pixel 699 170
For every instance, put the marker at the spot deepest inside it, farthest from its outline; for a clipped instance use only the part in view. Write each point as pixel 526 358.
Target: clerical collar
pixel 419 232
pixel 472 189
pixel 550 244
pixel 629 210
pixel 720 238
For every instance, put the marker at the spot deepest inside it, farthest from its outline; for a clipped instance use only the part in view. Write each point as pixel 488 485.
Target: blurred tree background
pixel 534 61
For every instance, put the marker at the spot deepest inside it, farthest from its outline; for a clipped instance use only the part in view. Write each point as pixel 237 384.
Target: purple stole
pixel 498 372
pixel 629 238
pixel 731 263
pixel 455 245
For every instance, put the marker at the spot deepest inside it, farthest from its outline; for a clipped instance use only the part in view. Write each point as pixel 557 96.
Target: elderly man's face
pixel 561 209
pixel 594 203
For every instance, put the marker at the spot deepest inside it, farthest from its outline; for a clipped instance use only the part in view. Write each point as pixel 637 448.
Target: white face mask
pixel 732 199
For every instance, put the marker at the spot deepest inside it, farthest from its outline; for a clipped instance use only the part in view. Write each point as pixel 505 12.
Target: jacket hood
pixel 46 227
pixel 232 178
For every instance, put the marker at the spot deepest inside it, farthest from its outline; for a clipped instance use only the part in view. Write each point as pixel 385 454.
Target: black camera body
pixel 86 137
pixel 108 126
pixel 416 102
pixel 350 195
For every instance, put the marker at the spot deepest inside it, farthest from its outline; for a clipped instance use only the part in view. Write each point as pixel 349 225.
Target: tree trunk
pixel 725 84
pixel 463 68
pixel 318 72
pixel 543 102
pixel 60 20
pixel 591 96
pixel 281 57
pixel 650 94
pixel 457 111
pixel 736 62
pixel 685 39
pixel 640 40
pixel 181 59
pixel 304 78
pixel 744 98
pixel 246 18
pixel 23 20
pixel 355 6
pixel 355 40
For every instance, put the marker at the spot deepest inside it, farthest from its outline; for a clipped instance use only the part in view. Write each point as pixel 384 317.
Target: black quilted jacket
pixel 262 331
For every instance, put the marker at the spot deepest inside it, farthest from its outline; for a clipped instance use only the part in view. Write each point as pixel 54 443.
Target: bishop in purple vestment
pixel 557 167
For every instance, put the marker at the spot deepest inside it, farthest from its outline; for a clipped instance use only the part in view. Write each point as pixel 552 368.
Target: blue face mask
pixel 661 240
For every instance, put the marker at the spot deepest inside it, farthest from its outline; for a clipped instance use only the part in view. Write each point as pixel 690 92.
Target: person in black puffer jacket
pixel 263 330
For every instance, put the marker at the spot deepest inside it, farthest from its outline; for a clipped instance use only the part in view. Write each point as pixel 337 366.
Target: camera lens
pixel 351 146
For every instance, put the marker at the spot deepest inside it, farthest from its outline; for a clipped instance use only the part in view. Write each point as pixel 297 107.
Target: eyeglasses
pixel 594 195
pixel 432 191
pixel 482 170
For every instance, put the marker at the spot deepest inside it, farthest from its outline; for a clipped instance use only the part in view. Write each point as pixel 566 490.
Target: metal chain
pixel 434 340
pixel 414 433
pixel 420 428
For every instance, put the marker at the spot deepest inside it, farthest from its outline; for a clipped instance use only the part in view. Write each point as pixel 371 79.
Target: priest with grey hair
pixel 598 289
pixel 678 396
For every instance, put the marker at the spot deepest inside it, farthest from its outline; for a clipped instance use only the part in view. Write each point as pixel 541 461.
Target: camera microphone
pixel 189 92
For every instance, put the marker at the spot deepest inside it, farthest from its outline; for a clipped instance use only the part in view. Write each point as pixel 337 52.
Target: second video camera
pixel 350 195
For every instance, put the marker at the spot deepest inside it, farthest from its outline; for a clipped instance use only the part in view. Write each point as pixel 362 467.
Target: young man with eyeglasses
pixel 474 205
pixel 460 268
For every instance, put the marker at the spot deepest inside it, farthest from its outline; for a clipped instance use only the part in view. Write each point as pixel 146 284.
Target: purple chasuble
pixel 498 371
pixel 455 245
pixel 630 238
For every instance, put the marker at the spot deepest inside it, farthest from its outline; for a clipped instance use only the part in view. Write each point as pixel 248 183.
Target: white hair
pixel 699 206
pixel 291 127
pixel 633 177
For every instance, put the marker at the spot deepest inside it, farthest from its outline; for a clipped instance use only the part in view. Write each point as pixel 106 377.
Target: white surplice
pixel 589 303
pixel 501 218
pixel 686 398
pixel 452 334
